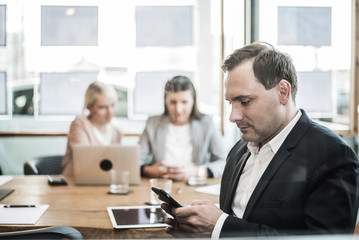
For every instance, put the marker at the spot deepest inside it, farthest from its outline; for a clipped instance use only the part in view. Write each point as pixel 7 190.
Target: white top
pixel 253 171
pixel 178 146
pixel 106 137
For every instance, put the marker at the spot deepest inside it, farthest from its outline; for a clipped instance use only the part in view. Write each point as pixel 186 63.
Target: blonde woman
pixel 95 126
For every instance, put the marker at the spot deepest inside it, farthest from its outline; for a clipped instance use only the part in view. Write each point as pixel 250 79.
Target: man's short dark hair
pixel 269 65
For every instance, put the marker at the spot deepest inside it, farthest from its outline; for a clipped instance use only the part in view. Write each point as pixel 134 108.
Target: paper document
pixel 211 189
pixel 21 215
pixel 5 179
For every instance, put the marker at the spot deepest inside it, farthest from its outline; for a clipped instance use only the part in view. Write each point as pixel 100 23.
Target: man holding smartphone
pixel 287 175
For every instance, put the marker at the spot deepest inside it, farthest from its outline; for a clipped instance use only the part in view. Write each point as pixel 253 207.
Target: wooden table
pixel 84 207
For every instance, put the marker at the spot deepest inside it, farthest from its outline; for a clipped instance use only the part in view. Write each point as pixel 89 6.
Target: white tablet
pixel 137 216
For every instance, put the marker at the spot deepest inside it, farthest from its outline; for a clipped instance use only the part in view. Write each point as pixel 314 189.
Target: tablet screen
pixel 137 216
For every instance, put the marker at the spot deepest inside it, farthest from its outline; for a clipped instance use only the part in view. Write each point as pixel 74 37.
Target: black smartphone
pixel 56 180
pixel 166 197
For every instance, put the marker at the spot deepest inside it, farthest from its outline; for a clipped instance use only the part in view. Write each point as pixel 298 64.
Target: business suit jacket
pixel 206 140
pixel 309 187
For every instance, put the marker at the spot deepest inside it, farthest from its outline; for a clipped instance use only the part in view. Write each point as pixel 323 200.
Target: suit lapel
pixel 272 168
pixel 279 158
pixel 227 206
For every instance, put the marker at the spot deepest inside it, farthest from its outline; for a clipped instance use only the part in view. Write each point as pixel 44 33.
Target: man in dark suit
pixel 287 175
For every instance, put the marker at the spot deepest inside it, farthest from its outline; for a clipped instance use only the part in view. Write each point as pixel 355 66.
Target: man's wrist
pixel 218 227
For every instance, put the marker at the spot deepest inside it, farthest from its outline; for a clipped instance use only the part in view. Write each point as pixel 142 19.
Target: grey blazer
pixel 206 139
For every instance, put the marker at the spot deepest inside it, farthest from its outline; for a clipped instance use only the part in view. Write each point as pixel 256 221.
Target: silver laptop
pixel 92 163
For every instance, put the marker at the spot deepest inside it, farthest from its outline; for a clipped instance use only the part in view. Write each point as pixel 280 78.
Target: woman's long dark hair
pixel 178 84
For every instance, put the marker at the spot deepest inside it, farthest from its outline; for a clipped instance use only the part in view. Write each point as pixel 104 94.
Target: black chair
pixel 60 232
pixel 43 165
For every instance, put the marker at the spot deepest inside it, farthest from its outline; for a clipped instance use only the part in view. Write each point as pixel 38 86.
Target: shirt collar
pixel 278 140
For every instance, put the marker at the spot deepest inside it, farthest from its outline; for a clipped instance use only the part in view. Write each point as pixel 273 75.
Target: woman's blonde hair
pixel 96 88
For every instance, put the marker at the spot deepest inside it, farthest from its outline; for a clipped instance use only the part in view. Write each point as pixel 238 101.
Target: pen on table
pixel 18 206
pixel 180 190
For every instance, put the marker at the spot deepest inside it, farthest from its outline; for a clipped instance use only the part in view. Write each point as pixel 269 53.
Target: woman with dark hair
pixel 180 137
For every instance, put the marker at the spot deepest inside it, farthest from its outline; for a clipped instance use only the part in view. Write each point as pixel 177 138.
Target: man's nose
pixel 236 114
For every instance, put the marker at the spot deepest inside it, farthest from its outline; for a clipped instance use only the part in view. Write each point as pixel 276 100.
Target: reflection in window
pixel 304 26
pixel 342 91
pixel 23 103
pixel 148 93
pixel 317 35
pixel 308 94
pixel 164 25
pixel 2 25
pixel 342 102
pixel 69 26
pixel 3 93
pixel 122 108
pixel 63 93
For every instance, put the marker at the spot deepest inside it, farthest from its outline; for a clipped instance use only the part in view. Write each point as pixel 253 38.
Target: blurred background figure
pixel 95 126
pixel 180 137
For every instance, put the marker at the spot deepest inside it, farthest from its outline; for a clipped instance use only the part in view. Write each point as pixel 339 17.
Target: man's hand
pixel 196 220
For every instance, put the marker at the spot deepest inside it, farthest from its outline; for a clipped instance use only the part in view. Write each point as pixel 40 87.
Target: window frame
pixel 351 129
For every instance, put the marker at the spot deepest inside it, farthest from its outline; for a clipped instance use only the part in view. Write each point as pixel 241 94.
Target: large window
pixel 2 25
pixel 164 25
pixel 136 45
pixel 63 93
pixel 304 26
pixel 318 36
pixel 58 47
pixel 3 93
pixel 308 93
pixel 69 26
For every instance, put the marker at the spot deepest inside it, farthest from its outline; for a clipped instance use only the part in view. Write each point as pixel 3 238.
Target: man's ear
pixel 284 91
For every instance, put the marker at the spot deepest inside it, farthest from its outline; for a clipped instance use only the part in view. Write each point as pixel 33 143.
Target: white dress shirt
pixel 178 146
pixel 253 171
